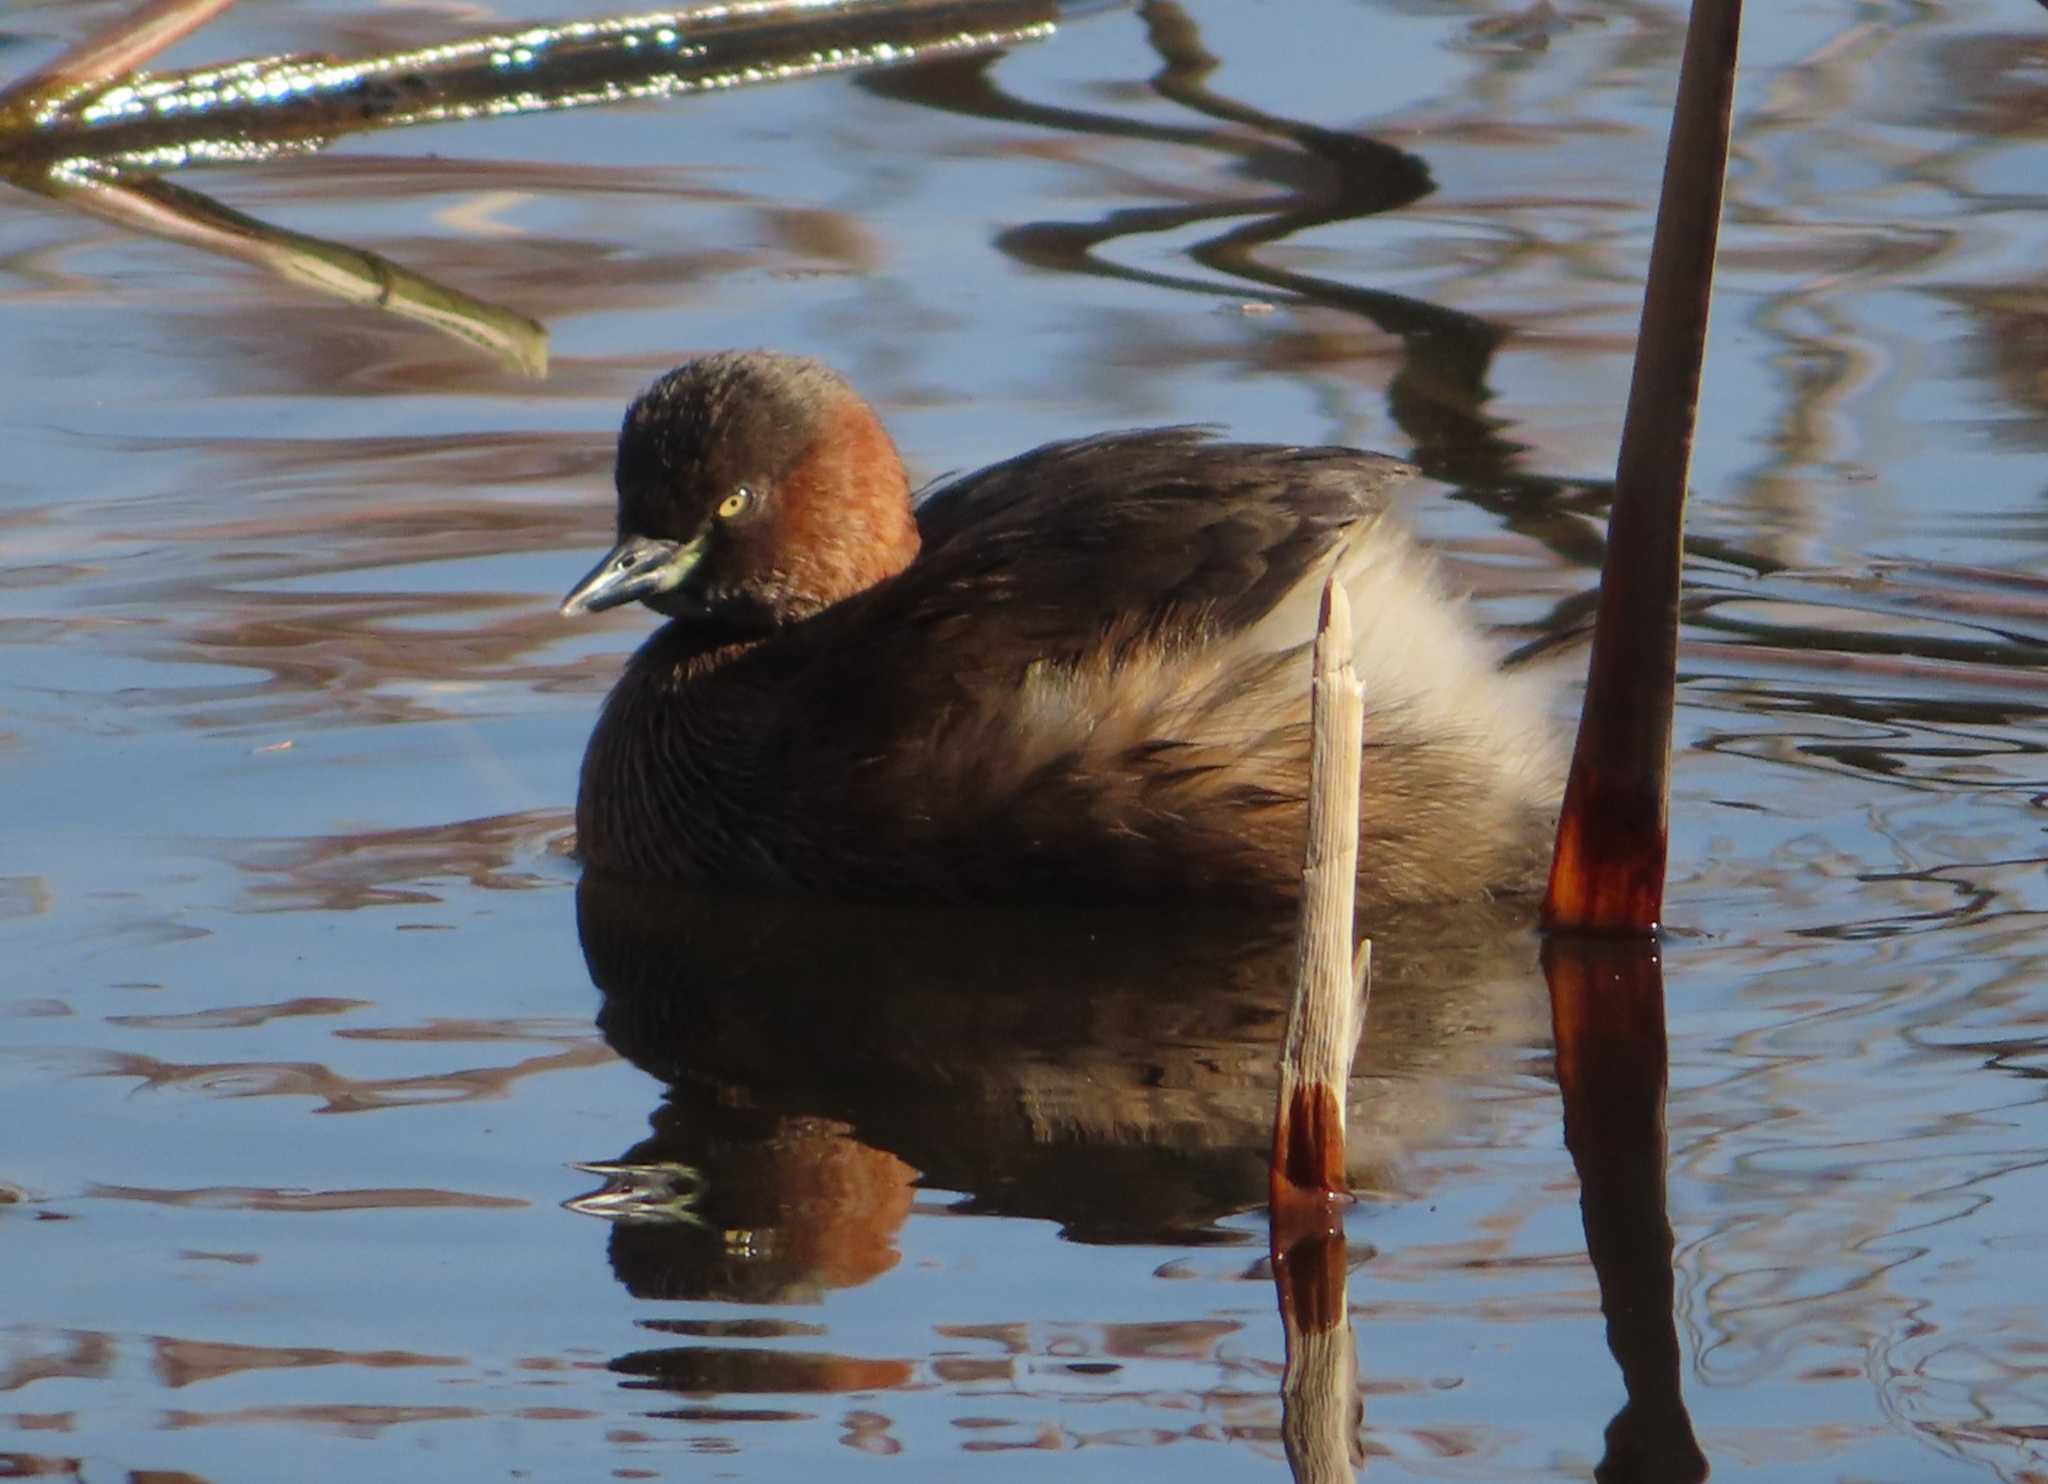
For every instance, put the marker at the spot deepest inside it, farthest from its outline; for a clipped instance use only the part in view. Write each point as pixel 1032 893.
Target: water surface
pixel 309 1029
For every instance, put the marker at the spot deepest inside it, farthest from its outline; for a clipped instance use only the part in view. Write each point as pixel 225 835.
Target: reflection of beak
pixel 638 567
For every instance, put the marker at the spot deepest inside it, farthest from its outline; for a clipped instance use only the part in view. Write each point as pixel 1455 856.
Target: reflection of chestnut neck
pixel 819 1209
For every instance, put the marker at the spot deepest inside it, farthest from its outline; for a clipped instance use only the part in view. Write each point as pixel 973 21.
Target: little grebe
pixel 1080 673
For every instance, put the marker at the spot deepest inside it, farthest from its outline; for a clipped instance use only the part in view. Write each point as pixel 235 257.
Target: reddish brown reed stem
pixel 1607 875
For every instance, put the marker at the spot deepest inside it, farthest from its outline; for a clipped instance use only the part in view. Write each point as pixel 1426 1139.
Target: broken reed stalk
pixel 1307 1171
pixel 1607 875
pixel 1319 1392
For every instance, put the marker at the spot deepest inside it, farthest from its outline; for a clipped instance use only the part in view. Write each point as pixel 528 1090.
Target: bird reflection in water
pixel 1108 1071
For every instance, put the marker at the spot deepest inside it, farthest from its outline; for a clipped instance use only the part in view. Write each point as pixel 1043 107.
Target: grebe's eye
pixel 736 504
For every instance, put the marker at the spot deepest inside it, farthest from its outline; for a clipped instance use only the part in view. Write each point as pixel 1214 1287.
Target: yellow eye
pixel 738 503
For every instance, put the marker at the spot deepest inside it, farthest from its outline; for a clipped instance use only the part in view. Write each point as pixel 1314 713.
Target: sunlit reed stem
pixel 1608 872
pixel 1322 1022
pixel 237 111
pixel 346 273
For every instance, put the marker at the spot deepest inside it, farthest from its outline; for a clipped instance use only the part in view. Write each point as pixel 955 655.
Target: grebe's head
pixel 754 489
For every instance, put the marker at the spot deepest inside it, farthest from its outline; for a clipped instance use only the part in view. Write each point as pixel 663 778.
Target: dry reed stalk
pixel 1307 1172
pixel 1319 1391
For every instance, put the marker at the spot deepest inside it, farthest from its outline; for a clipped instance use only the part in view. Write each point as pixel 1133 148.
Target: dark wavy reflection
pixel 1312 177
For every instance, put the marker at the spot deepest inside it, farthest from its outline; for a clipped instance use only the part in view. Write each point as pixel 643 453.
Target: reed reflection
pixel 1322 1405
pixel 1607 1005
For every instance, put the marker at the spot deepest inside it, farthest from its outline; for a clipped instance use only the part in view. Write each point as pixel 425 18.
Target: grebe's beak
pixel 638 567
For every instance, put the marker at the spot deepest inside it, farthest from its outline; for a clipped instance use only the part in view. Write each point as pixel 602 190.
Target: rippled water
pixel 289 730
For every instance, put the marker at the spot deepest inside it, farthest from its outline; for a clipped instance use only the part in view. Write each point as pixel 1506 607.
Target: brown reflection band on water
pixel 239 1017
pixel 344 872
pixel 88 1356
pixel 353 1420
pixel 338 1093
pixel 323 656
pixel 40 1465
pixel 1607 1009
pixel 257 1198
pixel 180 1362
